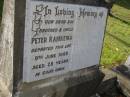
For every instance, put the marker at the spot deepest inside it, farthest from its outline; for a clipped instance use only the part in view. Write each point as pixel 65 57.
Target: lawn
pixel 117 39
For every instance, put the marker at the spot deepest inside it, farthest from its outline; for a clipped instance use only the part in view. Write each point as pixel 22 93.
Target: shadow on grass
pixel 122 41
pixel 122 20
pixel 123 3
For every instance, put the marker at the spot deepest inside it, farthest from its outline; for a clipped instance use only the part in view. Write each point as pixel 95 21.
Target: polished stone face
pixel 74 34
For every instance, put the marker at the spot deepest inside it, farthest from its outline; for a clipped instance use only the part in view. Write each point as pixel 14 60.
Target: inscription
pixel 60 38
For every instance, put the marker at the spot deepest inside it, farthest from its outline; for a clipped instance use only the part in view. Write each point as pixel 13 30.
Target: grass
pixel 117 39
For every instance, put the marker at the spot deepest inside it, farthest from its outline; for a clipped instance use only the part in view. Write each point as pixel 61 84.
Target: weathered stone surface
pixel 80 84
pixel 87 88
pixel 110 88
pixel 6 48
pixel 124 70
pixel 4 91
pixel 123 81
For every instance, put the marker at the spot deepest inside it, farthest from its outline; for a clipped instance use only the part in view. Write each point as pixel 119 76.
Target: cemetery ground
pixel 116 45
pixel 117 38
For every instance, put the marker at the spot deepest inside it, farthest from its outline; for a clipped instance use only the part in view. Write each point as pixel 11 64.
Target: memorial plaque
pixel 60 38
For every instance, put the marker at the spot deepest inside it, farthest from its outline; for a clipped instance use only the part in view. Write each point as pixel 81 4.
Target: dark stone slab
pixel 122 69
pixel 87 88
pixel 19 27
pixel 83 2
pixel 114 84
pixel 110 88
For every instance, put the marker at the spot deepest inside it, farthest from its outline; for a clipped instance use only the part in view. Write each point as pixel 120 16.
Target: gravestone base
pixel 87 88
pixel 78 86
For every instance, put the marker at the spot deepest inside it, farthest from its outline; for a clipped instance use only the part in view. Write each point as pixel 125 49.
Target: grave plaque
pixel 60 38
